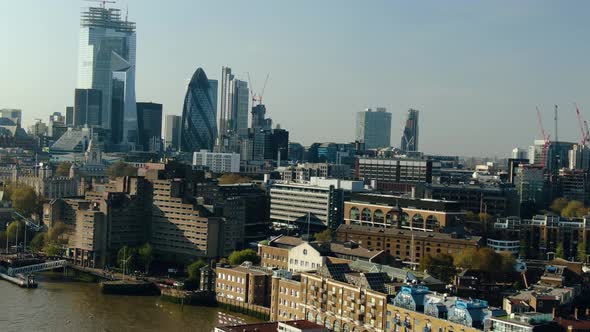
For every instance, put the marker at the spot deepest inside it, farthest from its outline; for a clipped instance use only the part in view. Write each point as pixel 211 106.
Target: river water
pixel 64 305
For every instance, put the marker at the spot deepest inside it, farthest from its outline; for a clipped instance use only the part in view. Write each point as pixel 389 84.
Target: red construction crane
pixel 546 140
pixel 257 97
pixel 583 126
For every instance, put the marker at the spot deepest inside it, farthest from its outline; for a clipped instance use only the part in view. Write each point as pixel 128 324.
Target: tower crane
pixel 546 140
pixel 257 97
pixel 583 126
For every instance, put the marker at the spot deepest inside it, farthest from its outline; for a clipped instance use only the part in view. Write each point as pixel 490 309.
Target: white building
pixel 217 162
pixel 518 153
pixel 307 257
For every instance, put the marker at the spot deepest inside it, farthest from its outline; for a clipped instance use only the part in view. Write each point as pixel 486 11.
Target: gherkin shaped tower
pixel 199 114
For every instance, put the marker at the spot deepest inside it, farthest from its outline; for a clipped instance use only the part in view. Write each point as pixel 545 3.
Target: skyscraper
pixel 410 135
pixel 239 96
pixel 225 109
pixel 374 128
pixel 107 55
pixel 149 122
pixel 199 126
pixel 87 107
pixel 233 117
pixel 14 115
pixel 69 116
pixel 172 131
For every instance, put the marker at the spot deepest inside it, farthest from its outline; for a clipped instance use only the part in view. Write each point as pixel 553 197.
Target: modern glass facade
pixel 410 136
pixel 374 128
pixel 149 119
pixel 87 107
pixel 172 131
pixel 199 127
pixel 107 52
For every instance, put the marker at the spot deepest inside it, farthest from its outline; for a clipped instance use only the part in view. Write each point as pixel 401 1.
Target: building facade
pixel 199 124
pixel 374 128
pixel 172 131
pixel 409 142
pixel 149 120
pixel 217 162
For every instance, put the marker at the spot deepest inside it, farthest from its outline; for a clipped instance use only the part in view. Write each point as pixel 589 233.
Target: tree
pixel 238 257
pixel 574 209
pixel 63 169
pixel 508 262
pixel 559 251
pixel 439 266
pixel 146 255
pixel 484 259
pixel 38 241
pixel 51 249
pixel 56 232
pixel 194 269
pixel 14 230
pixel 323 236
pixel 24 200
pixel 581 251
pixel 121 168
pixel 232 178
pixel 558 205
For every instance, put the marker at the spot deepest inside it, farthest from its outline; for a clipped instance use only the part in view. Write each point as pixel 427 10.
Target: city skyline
pixel 496 64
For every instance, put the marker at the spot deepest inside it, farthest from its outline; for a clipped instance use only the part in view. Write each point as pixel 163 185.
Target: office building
pixel 69 116
pixel 106 59
pixel 391 211
pixel 409 141
pixel 88 108
pixel 172 132
pixel 259 119
pixel 495 200
pixel 225 110
pixel 305 171
pixel 245 283
pixel 530 181
pixel 321 200
pixel 149 120
pixel 407 245
pixel 217 162
pixel 396 173
pixel 239 97
pixel 573 183
pixel 374 128
pixel 199 124
pixel 518 153
pixel 14 115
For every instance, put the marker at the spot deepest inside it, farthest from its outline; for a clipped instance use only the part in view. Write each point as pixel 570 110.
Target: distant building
pixel 217 162
pixel 374 128
pixel 320 199
pixel 199 127
pixel 498 200
pixel 409 141
pixel 88 108
pixel 69 116
pixel 530 181
pixel 396 173
pixel 149 118
pixel 305 171
pixel 296 151
pixel 14 115
pixel 172 132
pixel 518 153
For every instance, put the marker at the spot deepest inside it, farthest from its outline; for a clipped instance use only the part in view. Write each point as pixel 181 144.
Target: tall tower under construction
pixel 409 141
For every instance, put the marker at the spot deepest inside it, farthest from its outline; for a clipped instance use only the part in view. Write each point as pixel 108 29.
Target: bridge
pixel 37 267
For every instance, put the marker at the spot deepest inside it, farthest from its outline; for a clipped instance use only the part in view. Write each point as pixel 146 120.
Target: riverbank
pixel 63 304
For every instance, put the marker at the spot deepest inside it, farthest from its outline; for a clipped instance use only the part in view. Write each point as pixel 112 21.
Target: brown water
pixel 62 305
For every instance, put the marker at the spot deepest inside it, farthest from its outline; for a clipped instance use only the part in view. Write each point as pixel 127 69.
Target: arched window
pixel 432 222
pixel 418 221
pixel 366 215
pixel 405 219
pixel 391 217
pixel 318 319
pixel 345 328
pixel 336 326
pixel 378 216
pixel 328 324
pixel 354 213
pixel 310 316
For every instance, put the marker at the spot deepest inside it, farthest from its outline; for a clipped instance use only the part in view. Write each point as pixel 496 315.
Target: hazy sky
pixel 475 70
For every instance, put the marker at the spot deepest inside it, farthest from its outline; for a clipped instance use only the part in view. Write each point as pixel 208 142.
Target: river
pixel 65 305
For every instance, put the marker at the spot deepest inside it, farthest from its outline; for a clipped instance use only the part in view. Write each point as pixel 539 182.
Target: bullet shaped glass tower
pixel 199 114
pixel 107 56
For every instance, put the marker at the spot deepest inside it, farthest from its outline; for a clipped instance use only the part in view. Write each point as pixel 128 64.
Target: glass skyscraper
pixel 149 116
pixel 374 128
pixel 409 141
pixel 106 57
pixel 199 126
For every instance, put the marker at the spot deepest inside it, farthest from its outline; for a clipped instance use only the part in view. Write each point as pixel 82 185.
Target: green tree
pixel 574 209
pixel 24 200
pixel 127 258
pixel 146 256
pixel 581 251
pixel 56 233
pixel 559 251
pixel 63 169
pixel 484 259
pixel 14 230
pixel 38 241
pixel 558 205
pixel 121 168
pixel 194 269
pixel 439 266
pixel 232 178
pixel 51 249
pixel 238 257
pixel 323 236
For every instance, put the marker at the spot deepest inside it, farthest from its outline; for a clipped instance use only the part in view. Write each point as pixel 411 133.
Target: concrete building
pixel 519 153
pixel 499 200
pixel 397 174
pixel 373 128
pixel 305 171
pixel 530 181
pixel 321 200
pixel 573 183
pixel 217 162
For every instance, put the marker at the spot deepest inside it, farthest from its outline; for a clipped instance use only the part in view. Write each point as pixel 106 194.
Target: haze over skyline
pixel 475 70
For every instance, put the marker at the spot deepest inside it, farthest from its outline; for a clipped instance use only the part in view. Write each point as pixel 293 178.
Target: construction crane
pixel 256 97
pixel 583 126
pixel 546 140
pixel 103 2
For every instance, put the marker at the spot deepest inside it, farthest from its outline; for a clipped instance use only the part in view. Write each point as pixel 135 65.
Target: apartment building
pixel 244 283
pixel 397 174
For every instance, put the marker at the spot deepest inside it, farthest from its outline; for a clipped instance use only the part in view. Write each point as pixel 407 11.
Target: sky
pixel 476 70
